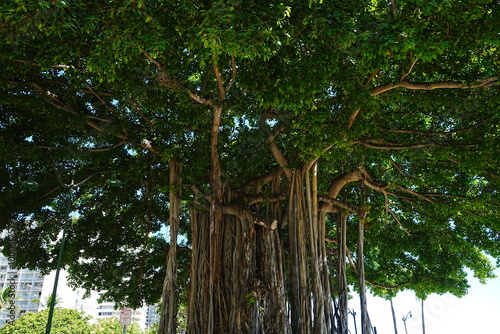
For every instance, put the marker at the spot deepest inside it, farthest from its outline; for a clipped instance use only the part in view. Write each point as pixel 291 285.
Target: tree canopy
pixel 64 321
pixel 289 147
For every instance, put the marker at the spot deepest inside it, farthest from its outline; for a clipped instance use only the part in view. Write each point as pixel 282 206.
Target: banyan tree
pixel 275 155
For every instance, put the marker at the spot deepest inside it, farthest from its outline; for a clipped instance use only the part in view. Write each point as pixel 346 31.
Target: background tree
pixel 46 304
pixel 112 326
pixel 7 298
pixel 294 146
pixel 64 321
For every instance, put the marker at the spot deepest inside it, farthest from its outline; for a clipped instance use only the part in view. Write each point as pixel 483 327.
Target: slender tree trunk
pixel 299 278
pixel 215 218
pixel 423 319
pixel 169 296
pixel 341 272
pixel 366 327
pixel 393 317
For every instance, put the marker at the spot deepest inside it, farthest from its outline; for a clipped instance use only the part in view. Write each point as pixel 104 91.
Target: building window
pixel 104 314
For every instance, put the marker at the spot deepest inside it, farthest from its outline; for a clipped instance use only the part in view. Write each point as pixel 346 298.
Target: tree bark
pixel 169 296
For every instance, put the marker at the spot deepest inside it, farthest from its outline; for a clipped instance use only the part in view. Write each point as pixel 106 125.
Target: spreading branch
pixel 140 112
pixel 438 133
pixel 488 82
pixel 165 80
pixel 254 185
pixel 343 205
pixel 390 146
pixel 277 154
pixel 245 214
pixel 398 168
pixel 340 181
pixel 409 71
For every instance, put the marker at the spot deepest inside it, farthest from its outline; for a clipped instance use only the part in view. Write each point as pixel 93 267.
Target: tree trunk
pixel 169 297
pixel 366 327
pixel 393 317
pixel 250 293
pixel 341 273
pixel 423 319
pixel 299 292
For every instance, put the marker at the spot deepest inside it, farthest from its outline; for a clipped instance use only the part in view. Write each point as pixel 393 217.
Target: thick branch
pixel 257 183
pixel 438 133
pixel 244 213
pixel 154 61
pixel 222 91
pixel 352 118
pixel 347 206
pixel 488 82
pixel 390 146
pixel 339 182
pixel 277 154
pixel 393 7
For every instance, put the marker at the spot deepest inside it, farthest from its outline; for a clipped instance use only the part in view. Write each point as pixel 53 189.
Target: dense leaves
pixel 396 101
pixel 64 321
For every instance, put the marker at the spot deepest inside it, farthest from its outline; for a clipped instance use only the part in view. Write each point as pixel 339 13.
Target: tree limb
pixel 352 118
pixel 258 182
pixel 390 146
pixel 277 154
pixel 340 181
pixel 438 133
pixel 393 7
pixel 139 111
pixel 488 82
pixel 164 80
pixel 398 168
pixel 222 91
pixel 397 220
pixel 412 192
pixel 346 206
pixel 233 75
pixel 411 68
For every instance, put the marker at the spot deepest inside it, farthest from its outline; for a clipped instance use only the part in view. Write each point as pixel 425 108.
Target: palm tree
pixel 48 300
pixel 6 299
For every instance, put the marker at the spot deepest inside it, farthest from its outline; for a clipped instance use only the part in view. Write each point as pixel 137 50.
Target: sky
pixel 477 312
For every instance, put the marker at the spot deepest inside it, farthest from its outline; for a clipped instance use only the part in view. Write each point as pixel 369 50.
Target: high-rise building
pixel 152 316
pixel 32 291
pixel 27 285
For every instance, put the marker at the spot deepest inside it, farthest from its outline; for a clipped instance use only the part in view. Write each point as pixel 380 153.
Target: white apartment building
pixel 28 286
pixel 73 299
pixel 32 291
pixel 152 316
